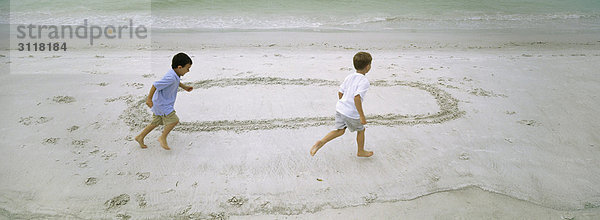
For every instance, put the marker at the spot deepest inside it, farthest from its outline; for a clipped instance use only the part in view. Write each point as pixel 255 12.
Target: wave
pixel 367 23
pixel 311 22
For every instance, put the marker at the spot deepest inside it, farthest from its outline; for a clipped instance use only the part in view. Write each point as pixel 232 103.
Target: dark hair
pixel 362 60
pixel 180 59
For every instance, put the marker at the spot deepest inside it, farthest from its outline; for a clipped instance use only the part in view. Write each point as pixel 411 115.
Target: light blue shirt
pixel 165 94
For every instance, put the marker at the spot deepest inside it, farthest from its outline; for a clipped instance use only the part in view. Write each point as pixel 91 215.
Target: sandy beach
pixel 464 125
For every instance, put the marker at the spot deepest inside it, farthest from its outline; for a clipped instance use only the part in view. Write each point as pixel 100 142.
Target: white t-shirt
pixel 354 84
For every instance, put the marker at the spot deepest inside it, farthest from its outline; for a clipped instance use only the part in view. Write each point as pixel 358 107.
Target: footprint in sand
pixel 117 201
pixel 73 128
pixel 237 201
pixel 50 140
pixel 95 150
pixel 91 181
pixel 80 143
pixel 83 164
pixel 529 122
pixel 141 199
pixel 464 156
pixel 135 85
pixel 108 156
pixel 35 121
pixel 142 176
pixel 63 99
pixel 150 75
pixel 370 198
pixel 123 216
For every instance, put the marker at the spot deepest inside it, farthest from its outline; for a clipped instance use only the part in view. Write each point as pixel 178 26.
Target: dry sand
pixel 463 125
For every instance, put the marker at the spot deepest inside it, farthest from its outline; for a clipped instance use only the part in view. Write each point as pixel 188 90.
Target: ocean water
pixel 312 15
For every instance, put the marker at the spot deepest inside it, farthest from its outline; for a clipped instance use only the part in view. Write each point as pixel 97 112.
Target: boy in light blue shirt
pixel 162 99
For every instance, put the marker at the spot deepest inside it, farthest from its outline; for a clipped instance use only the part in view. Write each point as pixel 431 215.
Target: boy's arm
pixel 149 99
pixel 186 88
pixel 358 104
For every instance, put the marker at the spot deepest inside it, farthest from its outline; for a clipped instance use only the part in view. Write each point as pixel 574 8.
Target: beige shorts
pixel 164 120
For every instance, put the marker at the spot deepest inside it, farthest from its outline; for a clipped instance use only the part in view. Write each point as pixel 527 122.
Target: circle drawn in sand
pixel 136 115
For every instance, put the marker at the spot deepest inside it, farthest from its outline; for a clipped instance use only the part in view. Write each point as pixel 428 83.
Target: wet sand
pixel 468 125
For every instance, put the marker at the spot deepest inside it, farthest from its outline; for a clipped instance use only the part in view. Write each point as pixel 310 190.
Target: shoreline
pixel 459 205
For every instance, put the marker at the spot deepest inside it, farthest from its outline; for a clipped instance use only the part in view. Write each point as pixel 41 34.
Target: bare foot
pixel 315 148
pixel 163 142
pixel 364 153
pixel 140 140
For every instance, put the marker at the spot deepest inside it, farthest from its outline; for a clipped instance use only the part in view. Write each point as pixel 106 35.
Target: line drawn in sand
pixel 136 115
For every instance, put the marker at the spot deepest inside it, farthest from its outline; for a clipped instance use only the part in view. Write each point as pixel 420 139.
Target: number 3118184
pixel 42 46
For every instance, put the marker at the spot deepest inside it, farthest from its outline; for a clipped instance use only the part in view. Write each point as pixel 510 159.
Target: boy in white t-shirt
pixel 349 112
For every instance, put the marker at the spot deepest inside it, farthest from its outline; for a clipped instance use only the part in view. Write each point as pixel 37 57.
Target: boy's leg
pixel 163 138
pixel 330 136
pixel 141 136
pixel 360 140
